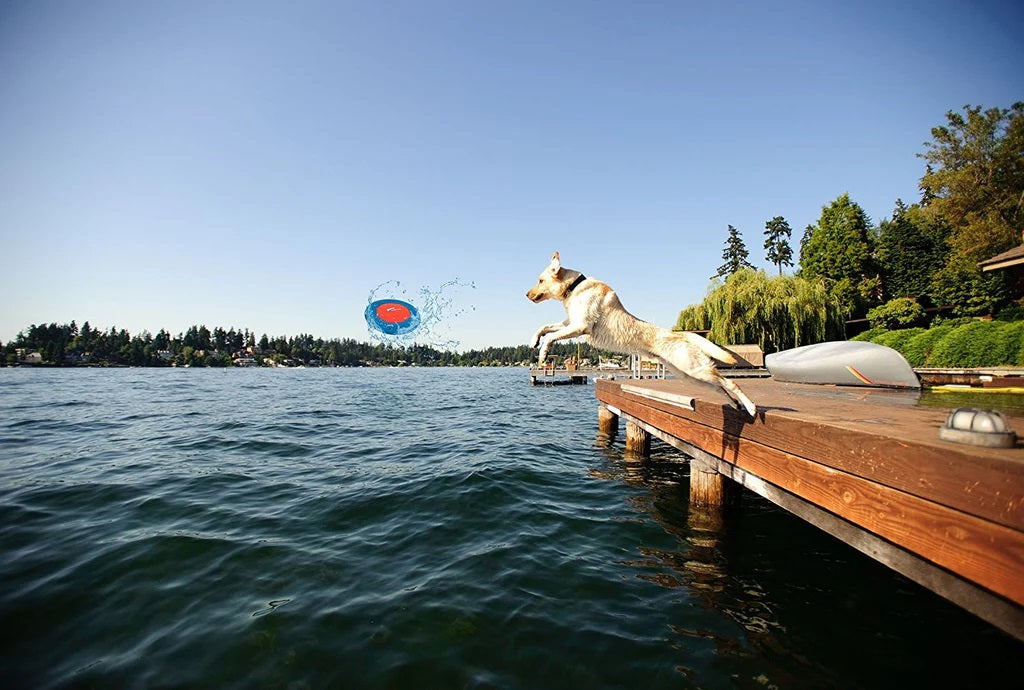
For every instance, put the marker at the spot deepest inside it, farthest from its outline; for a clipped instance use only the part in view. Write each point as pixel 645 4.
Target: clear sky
pixel 266 165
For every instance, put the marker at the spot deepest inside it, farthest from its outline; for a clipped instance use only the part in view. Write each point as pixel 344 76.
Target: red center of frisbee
pixel 393 313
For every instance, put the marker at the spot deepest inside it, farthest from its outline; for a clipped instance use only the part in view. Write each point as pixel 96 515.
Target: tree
pixel 777 233
pixel 909 249
pixel 805 238
pixel 735 255
pixel 776 312
pixel 838 250
pixel 220 338
pixel 974 182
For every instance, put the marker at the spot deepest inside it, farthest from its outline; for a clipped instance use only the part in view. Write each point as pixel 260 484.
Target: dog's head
pixel 550 284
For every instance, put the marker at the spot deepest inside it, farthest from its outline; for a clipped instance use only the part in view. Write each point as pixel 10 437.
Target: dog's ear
pixel 555 265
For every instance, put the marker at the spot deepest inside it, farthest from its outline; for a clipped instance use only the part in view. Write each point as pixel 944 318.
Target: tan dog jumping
pixel 594 310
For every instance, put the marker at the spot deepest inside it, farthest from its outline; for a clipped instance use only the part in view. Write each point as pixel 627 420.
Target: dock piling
pixel 607 422
pixel 638 440
pixel 708 487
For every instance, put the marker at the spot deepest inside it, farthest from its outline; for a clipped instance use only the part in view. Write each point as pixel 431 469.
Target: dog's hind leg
pixel 689 355
pixel 708 375
pixel 736 394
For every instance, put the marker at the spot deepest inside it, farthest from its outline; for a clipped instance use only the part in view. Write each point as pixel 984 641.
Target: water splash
pixel 438 309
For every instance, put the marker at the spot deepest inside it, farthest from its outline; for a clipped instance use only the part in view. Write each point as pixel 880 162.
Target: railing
pixel 640 368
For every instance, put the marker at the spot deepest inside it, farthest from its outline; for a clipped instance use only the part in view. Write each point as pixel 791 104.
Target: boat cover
pixel 843 363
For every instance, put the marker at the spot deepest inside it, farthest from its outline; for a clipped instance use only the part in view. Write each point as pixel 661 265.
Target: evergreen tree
pixel 776 243
pixel 735 255
pixel 838 250
pixel 909 250
pixel 805 238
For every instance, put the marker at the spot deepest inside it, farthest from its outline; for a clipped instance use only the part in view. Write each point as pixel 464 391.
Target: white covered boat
pixel 843 363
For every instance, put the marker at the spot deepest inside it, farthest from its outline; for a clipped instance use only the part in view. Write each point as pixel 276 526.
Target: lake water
pixel 415 528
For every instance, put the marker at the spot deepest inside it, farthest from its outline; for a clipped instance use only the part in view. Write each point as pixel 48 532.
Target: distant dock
pixel 865 465
pixel 562 376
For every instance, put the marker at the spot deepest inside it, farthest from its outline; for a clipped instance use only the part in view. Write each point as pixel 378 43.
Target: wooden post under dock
pixel 638 441
pixel 607 422
pixel 865 465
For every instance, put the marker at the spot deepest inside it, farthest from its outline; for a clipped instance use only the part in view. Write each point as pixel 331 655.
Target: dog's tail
pixel 706 346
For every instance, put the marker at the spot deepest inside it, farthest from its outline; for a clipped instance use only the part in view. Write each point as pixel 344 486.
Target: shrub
pixel 919 348
pixel 897 340
pixel 1012 312
pixel 952 320
pixel 978 344
pixel 1012 341
pixel 869 336
pixel 971 344
pixel 901 312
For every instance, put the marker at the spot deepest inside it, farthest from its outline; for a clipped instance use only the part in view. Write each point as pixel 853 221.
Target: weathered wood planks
pixel 871 457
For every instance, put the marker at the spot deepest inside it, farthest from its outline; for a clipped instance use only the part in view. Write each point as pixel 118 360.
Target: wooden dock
pixel 864 464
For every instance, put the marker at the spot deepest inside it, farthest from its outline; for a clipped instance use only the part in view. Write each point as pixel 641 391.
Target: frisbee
pixel 392 316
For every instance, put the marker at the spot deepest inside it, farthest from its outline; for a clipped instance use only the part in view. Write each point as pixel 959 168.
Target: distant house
pixel 1012 261
pixel 32 358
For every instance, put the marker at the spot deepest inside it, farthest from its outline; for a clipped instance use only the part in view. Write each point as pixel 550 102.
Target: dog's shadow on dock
pixel 735 419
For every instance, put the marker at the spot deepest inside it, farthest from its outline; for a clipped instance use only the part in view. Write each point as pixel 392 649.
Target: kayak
pixel 953 388
pixel 843 363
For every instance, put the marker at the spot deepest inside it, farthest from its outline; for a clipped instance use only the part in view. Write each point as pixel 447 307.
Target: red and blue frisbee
pixel 392 316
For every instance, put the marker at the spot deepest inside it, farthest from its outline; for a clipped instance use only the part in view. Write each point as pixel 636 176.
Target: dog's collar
pixel 574 284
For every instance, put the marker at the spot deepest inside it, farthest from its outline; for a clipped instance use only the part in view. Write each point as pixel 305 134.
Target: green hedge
pixel 974 344
pixel 919 348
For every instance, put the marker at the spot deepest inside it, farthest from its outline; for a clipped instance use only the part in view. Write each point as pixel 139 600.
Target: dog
pixel 594 310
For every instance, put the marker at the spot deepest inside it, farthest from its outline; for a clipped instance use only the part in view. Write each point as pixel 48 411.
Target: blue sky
pixel 266 165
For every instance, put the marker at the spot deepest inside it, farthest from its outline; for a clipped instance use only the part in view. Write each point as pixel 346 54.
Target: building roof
pixel 1011 257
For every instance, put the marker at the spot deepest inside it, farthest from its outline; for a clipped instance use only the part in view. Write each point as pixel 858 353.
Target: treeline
pixel 68 345
pixel 929 257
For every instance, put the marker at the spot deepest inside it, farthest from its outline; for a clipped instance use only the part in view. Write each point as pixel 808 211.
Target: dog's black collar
pixel 574 284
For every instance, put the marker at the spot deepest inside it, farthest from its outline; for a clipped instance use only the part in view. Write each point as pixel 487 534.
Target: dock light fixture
pixel 978 428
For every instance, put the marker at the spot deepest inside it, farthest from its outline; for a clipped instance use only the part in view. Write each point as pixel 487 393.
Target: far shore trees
pixel 66 345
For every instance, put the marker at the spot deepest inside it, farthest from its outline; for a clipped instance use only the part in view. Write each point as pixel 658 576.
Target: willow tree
pixel 777 312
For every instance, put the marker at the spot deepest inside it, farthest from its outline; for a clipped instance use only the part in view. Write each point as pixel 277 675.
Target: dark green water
pixel 415 529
